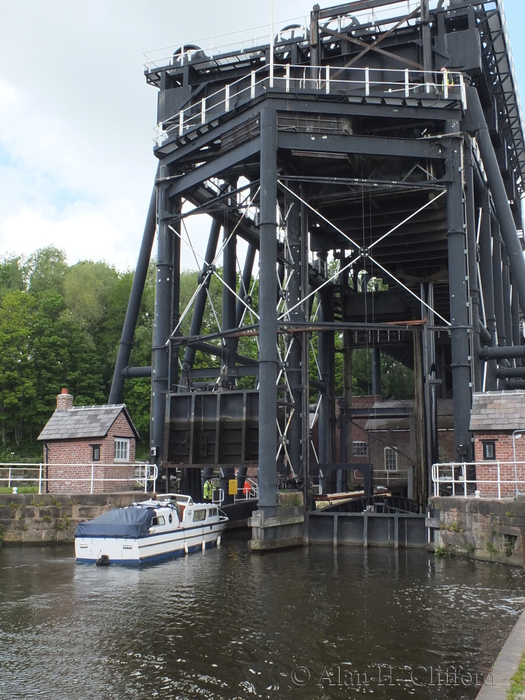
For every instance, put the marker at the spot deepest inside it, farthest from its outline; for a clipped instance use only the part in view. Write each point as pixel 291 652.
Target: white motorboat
pixel 163 527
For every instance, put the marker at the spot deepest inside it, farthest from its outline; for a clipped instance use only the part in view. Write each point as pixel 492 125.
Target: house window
pixel 95 453
pixel 360 449
pixel 489 449
pixel 390 459
pixel 121 449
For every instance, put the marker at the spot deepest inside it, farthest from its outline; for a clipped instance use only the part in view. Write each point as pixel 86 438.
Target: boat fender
pixel 103 560
pixel 203 545
pixel 185 547
pixel 219 541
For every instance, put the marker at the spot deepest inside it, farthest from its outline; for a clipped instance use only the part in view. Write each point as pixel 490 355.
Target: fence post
pixel 203 111
pixel 499 482
pixel 367 81
pixel 407 82
pixel 327 80
pixel 40 472
pixel 92 476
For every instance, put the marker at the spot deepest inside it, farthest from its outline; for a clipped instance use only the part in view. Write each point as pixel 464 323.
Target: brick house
pixel 89 443
pixel 497 422
pixel 383 434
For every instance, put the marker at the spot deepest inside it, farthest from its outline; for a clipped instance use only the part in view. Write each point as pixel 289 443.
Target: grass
pixel 517 681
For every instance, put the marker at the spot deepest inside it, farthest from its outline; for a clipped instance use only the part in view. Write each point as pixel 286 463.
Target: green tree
pixel 17 376
pixel 45 269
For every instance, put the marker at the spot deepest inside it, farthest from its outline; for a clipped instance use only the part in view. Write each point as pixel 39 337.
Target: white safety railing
pixel 14 474
pixel 492 479
pixel 250 490
pixel 399 83
pixel 217 496
pixel 387 477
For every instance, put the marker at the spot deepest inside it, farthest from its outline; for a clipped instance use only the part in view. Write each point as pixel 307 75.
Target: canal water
pixel 313 623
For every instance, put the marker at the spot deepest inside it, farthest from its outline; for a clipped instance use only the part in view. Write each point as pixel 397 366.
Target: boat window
pixel 199 515
pixel 158 520
pixel 170 518
pixel 212 512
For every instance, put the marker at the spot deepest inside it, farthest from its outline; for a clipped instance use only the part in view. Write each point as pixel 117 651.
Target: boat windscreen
pixel 122 522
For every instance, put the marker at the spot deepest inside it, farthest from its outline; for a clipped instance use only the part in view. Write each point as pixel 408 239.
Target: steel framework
pixel 362 177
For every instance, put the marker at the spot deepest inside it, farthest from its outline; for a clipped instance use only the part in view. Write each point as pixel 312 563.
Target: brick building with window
pixel 89 448
pixel 497 421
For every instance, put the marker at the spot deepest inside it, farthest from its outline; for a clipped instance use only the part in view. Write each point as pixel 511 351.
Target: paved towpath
pixel 498 683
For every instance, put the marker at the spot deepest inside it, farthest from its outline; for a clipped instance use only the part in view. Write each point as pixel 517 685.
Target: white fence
pixel 15 474
pixel 492 479
pixel 398 83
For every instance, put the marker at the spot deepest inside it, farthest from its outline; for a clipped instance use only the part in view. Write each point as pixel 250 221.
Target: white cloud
pixel 77 117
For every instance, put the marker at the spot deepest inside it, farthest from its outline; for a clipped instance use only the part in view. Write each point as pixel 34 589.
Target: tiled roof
pixel 498 411
pixel 83 422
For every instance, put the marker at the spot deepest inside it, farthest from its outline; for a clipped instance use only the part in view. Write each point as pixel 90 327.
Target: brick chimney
pixel 64 400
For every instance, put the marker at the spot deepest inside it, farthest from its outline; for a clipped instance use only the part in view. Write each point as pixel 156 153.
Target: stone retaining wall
pixel 481 528
pixel 53 518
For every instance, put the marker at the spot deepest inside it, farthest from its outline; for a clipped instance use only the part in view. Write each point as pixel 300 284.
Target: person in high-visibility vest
pixel 246 489
pixel 208 490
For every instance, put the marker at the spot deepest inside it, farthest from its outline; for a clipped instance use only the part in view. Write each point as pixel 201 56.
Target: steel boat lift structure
pixel 383 141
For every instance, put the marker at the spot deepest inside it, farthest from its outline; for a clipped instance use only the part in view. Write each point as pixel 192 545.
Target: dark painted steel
pixel 200 301
pixel 458 295
pixel 132 312
pixel 268 360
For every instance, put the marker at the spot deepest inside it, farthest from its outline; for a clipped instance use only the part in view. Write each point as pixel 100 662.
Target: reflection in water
pixel 308 623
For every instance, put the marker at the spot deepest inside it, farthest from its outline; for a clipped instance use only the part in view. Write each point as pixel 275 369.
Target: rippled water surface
pixel 312 623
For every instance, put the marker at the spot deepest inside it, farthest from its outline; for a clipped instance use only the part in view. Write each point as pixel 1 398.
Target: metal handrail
pixel 404 83
pixel 244 495
pixel 150 473
pixel 454 475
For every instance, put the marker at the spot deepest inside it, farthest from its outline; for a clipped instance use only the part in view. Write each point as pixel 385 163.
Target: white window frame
pixel 122 446
pixel 390 458
pixel 359 448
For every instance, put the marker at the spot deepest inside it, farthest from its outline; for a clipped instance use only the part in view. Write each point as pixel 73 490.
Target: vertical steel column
pixel 293 295
pixel 458 292
pixel 472 264
pixel 268 359
pixel 229 301
pixel 487 285
pixel 376 372
pixel 135 298
pixel 515 309
pixel 506 299
pixel 162 326
pixel 326 365
pixel 497 274
pixel 200 301
pixel 244 289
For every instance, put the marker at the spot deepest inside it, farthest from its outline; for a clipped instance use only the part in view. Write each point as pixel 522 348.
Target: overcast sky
pixel 77 118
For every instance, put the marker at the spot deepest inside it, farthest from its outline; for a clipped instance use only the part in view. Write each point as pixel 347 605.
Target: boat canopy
pixel 122 522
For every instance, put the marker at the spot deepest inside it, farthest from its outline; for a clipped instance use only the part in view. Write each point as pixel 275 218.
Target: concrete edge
pixel 497 683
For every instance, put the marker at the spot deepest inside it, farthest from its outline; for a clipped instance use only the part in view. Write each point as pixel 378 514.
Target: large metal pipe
pixel 502 353
pixel 458 295
pixel 511 373
pixel 135 298
pixel 268 360
pixel 499 194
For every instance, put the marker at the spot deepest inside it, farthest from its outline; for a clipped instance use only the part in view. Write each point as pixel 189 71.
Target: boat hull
pixel 147 550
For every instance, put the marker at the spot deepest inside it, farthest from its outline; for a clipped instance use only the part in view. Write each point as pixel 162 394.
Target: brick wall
pixel 73 458
pixel 504 452
pixel 68 473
